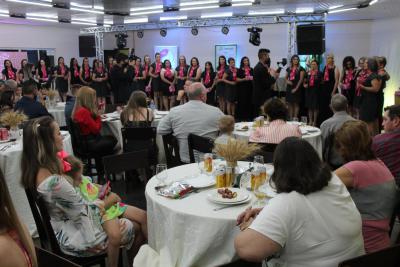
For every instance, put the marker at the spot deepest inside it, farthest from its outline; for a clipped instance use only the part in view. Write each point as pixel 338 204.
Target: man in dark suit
pixel 263 79
pixel 28 104
pixel 119 78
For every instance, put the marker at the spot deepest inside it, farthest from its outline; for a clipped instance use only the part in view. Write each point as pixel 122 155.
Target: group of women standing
pixel 363 87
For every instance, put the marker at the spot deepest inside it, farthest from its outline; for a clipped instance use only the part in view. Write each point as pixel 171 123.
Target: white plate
pixel 4 141
pixel 201 181
pixel 157 116
pixel 242 196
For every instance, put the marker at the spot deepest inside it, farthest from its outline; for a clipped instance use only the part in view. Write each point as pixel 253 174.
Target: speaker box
pixel 310 39
pixel 87 46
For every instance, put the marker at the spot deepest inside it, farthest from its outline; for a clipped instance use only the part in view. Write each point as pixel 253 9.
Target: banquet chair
pixel 125 162
pixel 171 148
pixel 328 147
pixel 199 143
pixel 46 258
pixel 132 137
pixel 388 257
pixel 47 236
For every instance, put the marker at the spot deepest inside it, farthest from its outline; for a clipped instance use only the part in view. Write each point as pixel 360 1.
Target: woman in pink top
pixel 369 181
pixel 277 129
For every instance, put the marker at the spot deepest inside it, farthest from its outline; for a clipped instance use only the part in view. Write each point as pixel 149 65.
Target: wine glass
pixel 245 180
pixel 161 173
pixel 260 191
pixel 258 160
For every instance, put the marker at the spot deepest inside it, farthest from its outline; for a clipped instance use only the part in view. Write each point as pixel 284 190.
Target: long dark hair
pixel 352 61
pixel 39 150
pixel 197 61
pixel 7 99
pixel 11 65
pixel 297 167
pixel 211 67
pixel 242 62
pixel 292 58
pixel 71 64
pixel 219 62
pixel 165 63
pixel 58 60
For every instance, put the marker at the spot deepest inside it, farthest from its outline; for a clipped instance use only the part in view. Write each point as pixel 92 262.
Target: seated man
pixel 194 117
pixel 27 104
pixel 329 127
pixel 276 129
pixel 386 146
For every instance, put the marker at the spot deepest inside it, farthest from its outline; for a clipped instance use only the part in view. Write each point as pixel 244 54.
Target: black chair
pixel 171 148
pixel 389 257
pixel 47 237
pixel 134 137
pixel 199 143
pixel 110 108
pixel 46 258
pixel 125 162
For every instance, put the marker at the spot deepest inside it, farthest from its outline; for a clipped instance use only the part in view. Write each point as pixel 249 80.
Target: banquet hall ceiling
pixel 114 11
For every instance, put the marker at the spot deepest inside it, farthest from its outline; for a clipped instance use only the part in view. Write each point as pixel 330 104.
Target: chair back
pixel 171 148
pixel 125 162
pixel 42 219
pixel 110 108
pixel 47 259
pixel 139 134
pixel 79 142
pixel 199 143
pixel 388 257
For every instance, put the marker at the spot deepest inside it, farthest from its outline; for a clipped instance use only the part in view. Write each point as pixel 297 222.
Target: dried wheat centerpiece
pixel 52 94
pixel 12 119
pixel 235 150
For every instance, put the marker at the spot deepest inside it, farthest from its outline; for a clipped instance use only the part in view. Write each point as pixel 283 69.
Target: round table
pixel 112 125
pixel 10 164
pixel 309 133
pixel 188 232
pixel 58 113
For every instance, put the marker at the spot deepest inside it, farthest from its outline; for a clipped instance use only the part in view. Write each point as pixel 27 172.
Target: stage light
pixel 194 31
pixel 225 30
pixel 140 34
pixel 254 38
pixel 163 32
pixel 121 40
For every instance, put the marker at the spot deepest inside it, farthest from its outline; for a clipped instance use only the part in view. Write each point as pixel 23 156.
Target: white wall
pixel 64 40
pixel 385 41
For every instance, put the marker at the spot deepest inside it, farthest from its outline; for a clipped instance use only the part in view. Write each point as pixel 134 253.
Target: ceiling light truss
pixel 99 42
pixel 209 23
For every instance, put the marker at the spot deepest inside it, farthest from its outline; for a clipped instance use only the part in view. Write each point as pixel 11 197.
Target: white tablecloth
pixel 112 125
pixel 309 133
pixel 188 232
pixel 58 113
pixel 10 163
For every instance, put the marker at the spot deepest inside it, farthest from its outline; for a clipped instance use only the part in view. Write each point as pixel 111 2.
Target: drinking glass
pixel 260 189
pixel 304 120
pixel 295 119
pixel 258 160
pixel 161 173
pixel 245 180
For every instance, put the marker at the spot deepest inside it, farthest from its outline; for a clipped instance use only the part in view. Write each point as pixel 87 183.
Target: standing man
pixel 263 80
pixel 119 78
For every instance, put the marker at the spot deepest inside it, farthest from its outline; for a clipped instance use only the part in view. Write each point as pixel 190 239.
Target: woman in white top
pixel 313 220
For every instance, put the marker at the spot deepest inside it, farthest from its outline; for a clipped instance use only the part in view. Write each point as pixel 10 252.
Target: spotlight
pixel 195 31
pixel 140 34
pixel 254 35
pixel 163 32
pixel 225 30
pixel 121 40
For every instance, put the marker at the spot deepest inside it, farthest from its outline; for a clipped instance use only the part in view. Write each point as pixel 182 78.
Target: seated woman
pixel 87 115
pixel 6 101
pixel 313 220
pixel 79 225
pixel 276 129
pixel 226 125
pixel 370 183
pixel 16 245
pixel 137 114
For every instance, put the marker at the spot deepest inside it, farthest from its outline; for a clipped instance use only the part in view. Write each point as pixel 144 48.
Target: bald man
pixel 194 117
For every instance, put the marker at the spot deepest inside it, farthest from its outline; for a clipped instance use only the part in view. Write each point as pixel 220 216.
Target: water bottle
pixel 152 105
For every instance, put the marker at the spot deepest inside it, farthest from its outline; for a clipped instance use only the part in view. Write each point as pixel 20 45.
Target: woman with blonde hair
pixel 87 115
pixel 16 245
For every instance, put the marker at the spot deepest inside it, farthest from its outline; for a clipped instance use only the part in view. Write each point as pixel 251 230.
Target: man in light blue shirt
pixel 194 117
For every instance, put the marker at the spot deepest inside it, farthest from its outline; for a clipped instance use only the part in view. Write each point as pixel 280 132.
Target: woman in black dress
pixel 85 73
pixel 330 82
pixel 20 72
pixel 181 73
pixel 207 79
pixel 360 73
pixel 9 72
pixel 369 103
pixel 100 77
pixel 43 74
pixel 229 78
pixel 294 83
pixel 154 72
pixel 244 90
pixel 220 85
pixel 146 75
pixel 110 64
pixel 347 80
pixel 75 71
pixel 312 87
pixel 138 75
pixel 61 73
pixel 167 75
pixel 384 78
pixel 194 72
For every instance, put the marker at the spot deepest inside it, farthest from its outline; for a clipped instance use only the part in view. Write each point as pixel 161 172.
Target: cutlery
pixel 4 148
pixel 228 206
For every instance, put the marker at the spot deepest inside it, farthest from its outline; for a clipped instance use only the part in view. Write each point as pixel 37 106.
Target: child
pixel 226 125
pixel 112 202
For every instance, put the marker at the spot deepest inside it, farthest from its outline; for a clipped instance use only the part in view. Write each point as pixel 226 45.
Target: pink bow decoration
pixel 62 155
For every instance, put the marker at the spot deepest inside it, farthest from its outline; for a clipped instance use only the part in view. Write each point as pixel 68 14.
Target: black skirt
pixel 312 98
pixel 220 89
pixel 101 88
pixel 369 107
pixel 62 85
pixel 293 98
pixel 156 84
pixel 230 93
